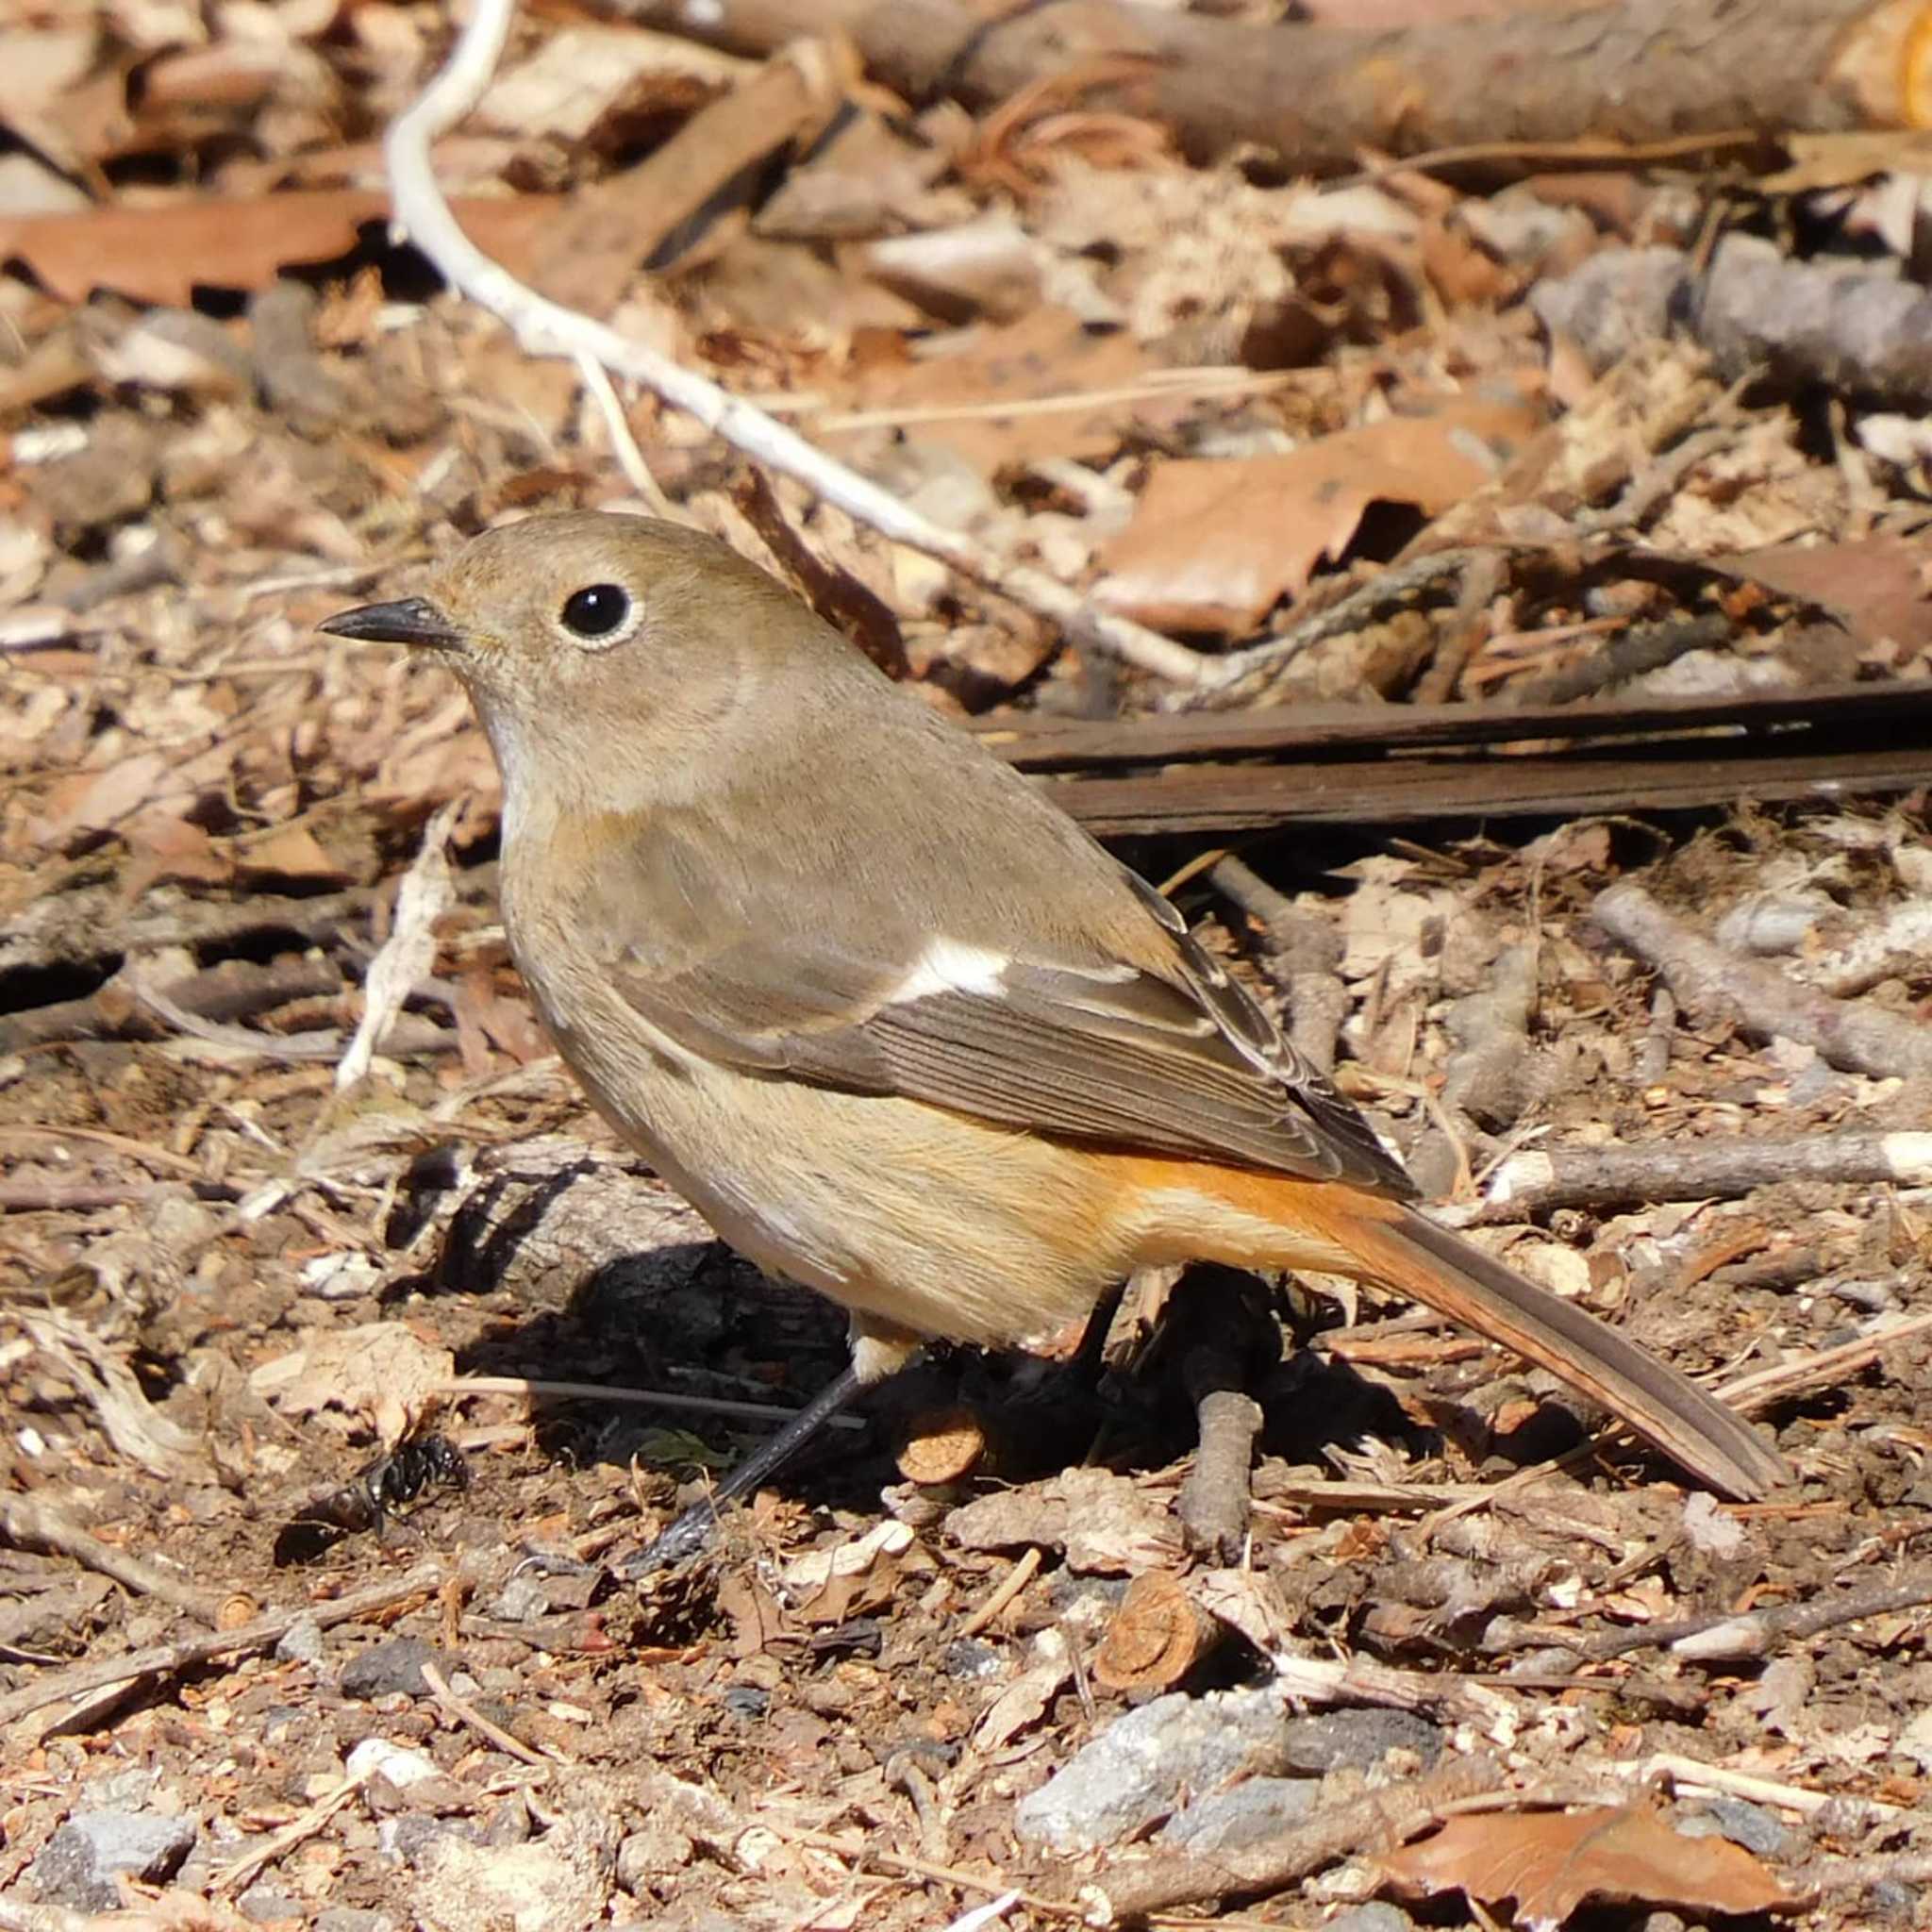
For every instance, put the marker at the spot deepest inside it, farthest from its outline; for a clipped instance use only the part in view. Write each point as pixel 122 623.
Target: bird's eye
pixel 596 610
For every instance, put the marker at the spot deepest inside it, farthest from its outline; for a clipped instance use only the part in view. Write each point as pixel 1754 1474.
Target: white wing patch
pixel 947 966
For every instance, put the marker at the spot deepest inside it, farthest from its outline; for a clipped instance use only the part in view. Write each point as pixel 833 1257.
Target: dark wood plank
pixel 1365 792
pixel 1039 743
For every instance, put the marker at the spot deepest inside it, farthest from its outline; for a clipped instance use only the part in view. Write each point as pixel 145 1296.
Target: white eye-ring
pixel 598 616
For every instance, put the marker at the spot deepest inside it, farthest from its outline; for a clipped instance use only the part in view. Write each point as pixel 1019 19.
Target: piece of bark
pixel 1157 1635
pixel 1766 1001
pixel 595 245
pixel 1632 72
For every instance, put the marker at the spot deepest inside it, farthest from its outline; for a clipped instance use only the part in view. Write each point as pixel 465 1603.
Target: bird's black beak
pixel 408 620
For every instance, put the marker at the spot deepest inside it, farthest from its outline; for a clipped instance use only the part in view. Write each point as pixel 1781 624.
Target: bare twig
pixel 1629 653
pixel 1756 1632
pixel 1214 1501
pixel 1016 1580
pixel 1374 1821
pixel 1535 1181
pixel 469 1714
pixel 161 1659
pixel 298 1831
pixel 1766 1001
pixel 623 445
pixel 1825 1369
pixel 1242 676
pixel 31 1525
pixel 534 1388
pixel 547 328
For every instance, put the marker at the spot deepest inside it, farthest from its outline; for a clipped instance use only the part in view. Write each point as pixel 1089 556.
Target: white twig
pixel 623 445
pixel 409 952
pixel 547 328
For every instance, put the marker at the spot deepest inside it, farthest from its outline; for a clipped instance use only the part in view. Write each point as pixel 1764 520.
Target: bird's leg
pixel 879 1349
pixel 693 1530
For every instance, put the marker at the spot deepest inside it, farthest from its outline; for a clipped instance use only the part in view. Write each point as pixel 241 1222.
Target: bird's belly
pixel 930 1221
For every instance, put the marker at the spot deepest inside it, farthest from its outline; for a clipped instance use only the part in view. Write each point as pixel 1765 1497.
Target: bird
pixel 900 1029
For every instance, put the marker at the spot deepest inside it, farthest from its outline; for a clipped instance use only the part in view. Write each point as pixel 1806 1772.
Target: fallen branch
pixel 164 1659
pixel 1756 1632
pixel 1535 1182
pixel 1635 71
pixel 1376 1822
pixel 31 1525
pixel 547 328
pixel 1765 1002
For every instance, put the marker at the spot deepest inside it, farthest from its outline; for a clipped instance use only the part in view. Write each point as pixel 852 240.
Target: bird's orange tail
pixel 1342 1230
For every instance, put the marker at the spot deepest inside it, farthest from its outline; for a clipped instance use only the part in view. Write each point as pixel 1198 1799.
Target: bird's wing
pixel 1160 1052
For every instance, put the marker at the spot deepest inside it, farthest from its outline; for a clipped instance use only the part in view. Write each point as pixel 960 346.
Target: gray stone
pixel 1254 1811
pixel 651 1855
pixel 301 1643
pixel 352 1918
pixel 267 1904
pixel 1356 1739
pixel 1372 1916
pixel 407 1837
pixel 1133 1773
pixel 1749 1826
pixel 78 1864
pixel 394 1664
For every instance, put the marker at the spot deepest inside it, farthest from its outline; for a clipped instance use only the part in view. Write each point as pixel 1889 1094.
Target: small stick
pixel 1828 1367
pixel 1847 1034
pixel 1133 1889
pixel 532 1387
pixel 468 1713
pixel 297 1831
pixel 161 1659
pixel 1016 1580
pixel 1758 1791
pixel 994 1885
pixel 1535 1180
pixel 36 1527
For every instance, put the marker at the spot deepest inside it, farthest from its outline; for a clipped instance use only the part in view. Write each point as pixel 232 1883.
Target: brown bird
pixel 896 1026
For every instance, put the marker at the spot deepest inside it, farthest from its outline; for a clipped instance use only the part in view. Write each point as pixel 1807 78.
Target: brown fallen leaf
pixel 1880 583
pixel 381 1372
pixel 1551 1862
pixel 1214 543
pixel 164 252
pixel 1040 387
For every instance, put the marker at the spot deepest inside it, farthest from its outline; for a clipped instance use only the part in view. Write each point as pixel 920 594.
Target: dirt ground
pixel 1477 1659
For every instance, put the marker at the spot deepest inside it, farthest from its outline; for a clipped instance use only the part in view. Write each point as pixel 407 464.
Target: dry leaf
pixel 1049 356
pixel 1107 1523
pixel 164 252
pixel 1215 545
pixel 1879 583
pixel 292 852
pixel 1027 1698
pixel 381 1371
pixel 596 84
pixel 1551 1862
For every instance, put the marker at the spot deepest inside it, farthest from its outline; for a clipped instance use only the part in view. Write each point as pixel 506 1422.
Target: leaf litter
pixel 1210 391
